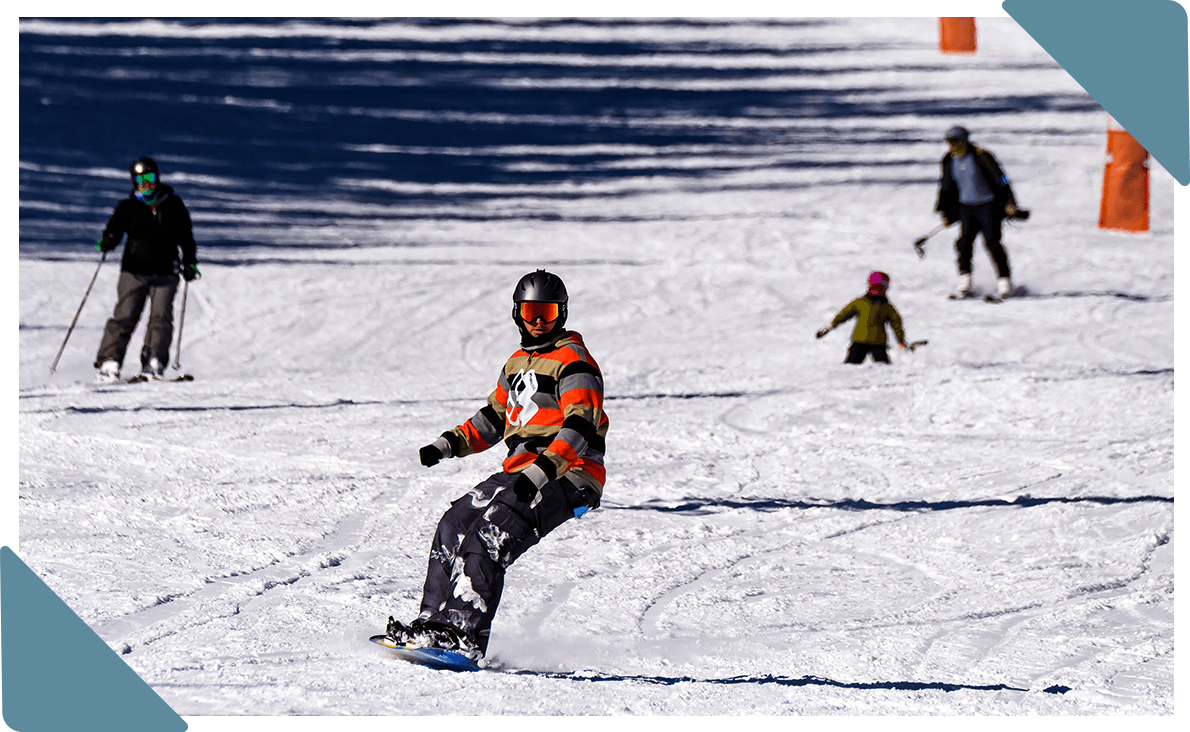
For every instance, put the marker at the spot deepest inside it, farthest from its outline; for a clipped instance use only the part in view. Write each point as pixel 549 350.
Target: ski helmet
pixel 540 287
pixel 140 166
pixel 957 133
pixel 877 283
pixel 145 177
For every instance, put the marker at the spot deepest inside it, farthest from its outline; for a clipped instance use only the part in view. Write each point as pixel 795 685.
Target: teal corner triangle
pixel 59 674
pixel 1131 56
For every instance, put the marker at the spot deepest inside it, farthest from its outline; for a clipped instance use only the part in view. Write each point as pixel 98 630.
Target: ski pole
pixel 70 330
pixel 919 246
pixel 181 323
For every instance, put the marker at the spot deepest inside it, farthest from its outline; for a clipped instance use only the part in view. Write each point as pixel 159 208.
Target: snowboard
pixel 436 658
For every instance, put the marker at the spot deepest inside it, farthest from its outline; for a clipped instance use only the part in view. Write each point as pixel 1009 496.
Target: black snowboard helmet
pixel 539 286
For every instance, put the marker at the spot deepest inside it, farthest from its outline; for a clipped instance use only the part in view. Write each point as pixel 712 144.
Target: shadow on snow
pixel 769 679
pixel 698 506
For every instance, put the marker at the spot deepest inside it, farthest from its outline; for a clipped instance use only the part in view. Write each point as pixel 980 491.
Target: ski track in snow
pixel 983 528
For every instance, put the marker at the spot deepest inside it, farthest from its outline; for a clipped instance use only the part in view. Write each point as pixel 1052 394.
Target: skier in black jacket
pixel 975 192
pixel 158 227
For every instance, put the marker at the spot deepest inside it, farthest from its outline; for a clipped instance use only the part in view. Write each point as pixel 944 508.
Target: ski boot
pixel 109 373
pixel 152 371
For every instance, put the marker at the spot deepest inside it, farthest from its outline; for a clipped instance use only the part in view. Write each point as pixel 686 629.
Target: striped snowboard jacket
pixel 548 408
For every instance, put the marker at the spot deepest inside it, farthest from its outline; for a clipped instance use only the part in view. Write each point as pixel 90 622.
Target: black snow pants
pixel 478 538
pixel 974 220
pixel 858 351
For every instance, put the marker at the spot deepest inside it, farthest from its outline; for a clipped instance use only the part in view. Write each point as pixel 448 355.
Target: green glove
pixel 190 272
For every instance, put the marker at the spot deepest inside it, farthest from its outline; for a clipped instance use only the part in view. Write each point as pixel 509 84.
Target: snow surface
pixel 983 528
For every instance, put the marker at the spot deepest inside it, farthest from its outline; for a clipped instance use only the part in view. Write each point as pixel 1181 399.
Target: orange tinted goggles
pixel 547 311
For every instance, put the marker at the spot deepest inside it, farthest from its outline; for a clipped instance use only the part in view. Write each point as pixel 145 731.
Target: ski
pixel 975 296
pixel 138 379
pixel 993 297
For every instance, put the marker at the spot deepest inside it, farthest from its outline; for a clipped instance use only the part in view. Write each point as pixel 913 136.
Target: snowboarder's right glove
pixel 524 488
pixel 432 453
pixel 190 272
pixel 530 480
pixel 823 332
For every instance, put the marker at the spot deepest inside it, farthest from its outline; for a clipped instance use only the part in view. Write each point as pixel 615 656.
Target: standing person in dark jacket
pixel 975 192
pixel 158 228
pixel 872 312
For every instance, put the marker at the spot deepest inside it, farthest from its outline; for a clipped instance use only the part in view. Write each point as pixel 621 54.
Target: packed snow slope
pixel 984 527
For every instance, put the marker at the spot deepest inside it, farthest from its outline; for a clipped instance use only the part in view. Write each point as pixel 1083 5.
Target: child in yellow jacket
pixel 872 312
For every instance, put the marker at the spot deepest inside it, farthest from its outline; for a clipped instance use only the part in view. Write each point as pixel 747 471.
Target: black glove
pixel 588 498
pixel 524 488
pixel 445 446
pixel 190 272
pixel 823 332
pixel 430 455
pixel 107 243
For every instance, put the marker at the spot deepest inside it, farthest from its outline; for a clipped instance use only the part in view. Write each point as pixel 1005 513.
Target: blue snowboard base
pixel 432 657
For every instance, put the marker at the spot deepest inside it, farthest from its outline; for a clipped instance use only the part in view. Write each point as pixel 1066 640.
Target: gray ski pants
pixel 131 292
pixel 478 538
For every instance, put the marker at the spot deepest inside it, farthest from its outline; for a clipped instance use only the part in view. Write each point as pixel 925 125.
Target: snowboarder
pixel 872 312
pixel 158 226
pixel 548 408
pixel 975 192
